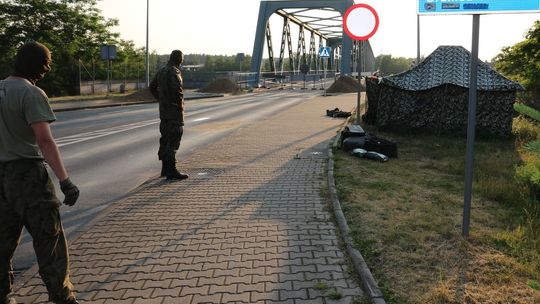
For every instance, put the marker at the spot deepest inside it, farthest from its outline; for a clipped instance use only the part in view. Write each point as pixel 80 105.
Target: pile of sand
pixel 221 85
pixel 344 84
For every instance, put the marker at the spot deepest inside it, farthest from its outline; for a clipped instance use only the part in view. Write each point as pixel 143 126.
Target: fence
pixel 100 87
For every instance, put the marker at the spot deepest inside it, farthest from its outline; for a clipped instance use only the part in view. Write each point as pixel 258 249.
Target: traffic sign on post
pixel 475 8
pixel 108 52
pixel 360 22
pixel 324 51
pixel 441 7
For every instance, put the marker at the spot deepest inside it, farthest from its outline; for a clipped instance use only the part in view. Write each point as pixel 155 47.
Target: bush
pixel 533 146
pixel 529 173
pixel 527 111
pixel 524 130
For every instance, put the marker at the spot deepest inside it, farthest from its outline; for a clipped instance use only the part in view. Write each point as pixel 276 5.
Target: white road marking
pixel 82 137
pixel 77 138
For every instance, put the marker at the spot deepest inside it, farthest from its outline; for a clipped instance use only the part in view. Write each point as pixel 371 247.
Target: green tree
pixel 388 65
pixel 521 63
pixel 221 63
pixel 130 61
pixel 72 29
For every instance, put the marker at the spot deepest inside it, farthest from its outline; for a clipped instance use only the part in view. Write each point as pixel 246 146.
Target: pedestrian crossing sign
pixel 324 51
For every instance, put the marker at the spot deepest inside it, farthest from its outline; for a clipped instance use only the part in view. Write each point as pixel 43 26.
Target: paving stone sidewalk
pixel 249 226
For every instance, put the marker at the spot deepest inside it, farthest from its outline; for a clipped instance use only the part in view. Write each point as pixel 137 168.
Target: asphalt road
pixel 109 152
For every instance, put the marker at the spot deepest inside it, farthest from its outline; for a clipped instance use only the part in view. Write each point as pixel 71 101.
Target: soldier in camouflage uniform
pixel 27 195
pixel 167 88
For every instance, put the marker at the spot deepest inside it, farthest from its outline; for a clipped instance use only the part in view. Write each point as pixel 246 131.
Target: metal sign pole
pixel 360 22
pixel 417 39
pixel 108 76
pixel 147 59
pixel 324 78
pixel 359 70
pixel 471 124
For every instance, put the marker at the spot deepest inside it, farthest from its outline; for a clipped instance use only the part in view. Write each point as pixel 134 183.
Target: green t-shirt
pixel 21 104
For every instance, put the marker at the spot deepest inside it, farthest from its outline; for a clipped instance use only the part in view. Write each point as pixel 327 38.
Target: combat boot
pixel 163 169
pixel 171 173
pixel 175 174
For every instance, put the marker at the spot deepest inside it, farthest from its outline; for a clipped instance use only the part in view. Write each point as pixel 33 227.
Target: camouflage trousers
pixel 27 199
pixel 169 142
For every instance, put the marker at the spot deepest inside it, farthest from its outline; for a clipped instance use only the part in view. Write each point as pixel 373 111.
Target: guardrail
pixel 249 79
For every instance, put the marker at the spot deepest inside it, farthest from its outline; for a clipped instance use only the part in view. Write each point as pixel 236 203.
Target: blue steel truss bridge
pixel 306 26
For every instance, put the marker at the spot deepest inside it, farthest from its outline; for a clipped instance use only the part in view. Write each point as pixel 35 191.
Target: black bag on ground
pixel 352 131
pixel 337 113
pixel 351 143
pixel 381 145
pixel 352 136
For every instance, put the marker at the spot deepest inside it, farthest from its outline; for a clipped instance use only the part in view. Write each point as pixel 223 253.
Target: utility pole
pixel 80 77
pixel 147 53
pixel 471 124
pixel 417 39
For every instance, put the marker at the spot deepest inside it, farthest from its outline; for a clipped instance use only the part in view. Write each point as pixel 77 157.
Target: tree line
pixel 74 31
pixel 521 62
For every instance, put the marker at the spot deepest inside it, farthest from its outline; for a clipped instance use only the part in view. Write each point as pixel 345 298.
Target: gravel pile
pixel 344 84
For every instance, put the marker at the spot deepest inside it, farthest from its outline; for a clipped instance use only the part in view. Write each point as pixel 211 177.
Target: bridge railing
pixel 266 79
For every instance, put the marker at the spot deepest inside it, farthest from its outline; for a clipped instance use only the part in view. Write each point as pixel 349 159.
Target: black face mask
pixel 176 58
pixel 33 61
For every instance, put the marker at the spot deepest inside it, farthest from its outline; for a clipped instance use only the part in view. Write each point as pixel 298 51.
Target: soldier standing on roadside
pixel 167 88
pixel 27 196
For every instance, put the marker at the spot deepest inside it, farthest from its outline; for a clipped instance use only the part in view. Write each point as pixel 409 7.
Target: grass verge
pixel 406 219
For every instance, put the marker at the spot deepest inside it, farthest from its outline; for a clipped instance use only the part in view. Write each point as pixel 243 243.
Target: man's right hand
pixel 71 192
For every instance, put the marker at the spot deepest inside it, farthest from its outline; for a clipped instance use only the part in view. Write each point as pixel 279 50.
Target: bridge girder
pixel 329 29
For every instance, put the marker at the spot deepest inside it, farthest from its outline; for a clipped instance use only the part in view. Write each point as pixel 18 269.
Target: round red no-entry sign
pixel 360 22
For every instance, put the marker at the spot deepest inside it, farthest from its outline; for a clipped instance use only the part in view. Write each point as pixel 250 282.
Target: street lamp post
pixel 147 53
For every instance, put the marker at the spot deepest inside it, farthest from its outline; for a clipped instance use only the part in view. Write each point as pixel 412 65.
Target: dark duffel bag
pixel 381 145
pixel 352 136
pixel 352 130
pixel 353 142
pixel 337 113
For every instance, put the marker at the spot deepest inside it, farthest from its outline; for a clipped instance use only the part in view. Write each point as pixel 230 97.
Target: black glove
pixel 71 192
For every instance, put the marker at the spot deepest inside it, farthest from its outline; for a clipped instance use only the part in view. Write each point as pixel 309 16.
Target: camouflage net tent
pixel 434 96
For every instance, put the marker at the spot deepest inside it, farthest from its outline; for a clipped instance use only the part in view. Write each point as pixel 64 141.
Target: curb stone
pixel 370 285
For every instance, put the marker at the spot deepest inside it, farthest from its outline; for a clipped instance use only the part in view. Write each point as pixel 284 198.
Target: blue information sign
pixel 324 51
pixel 469 7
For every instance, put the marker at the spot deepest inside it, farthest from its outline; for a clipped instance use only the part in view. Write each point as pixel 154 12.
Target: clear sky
pixel 227 27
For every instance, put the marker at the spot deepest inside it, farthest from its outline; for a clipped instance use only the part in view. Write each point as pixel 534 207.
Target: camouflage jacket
pixel 167 88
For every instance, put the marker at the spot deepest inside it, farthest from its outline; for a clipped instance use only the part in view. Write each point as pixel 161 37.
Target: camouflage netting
pixel 221 85
pixel 434 97
pixel 344 84
pixel 372 91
